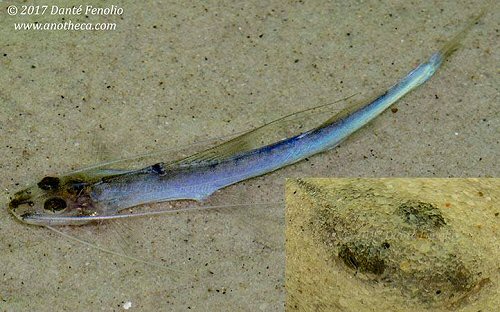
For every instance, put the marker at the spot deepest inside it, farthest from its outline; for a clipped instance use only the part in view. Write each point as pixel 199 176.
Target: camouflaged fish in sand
pixel 396 240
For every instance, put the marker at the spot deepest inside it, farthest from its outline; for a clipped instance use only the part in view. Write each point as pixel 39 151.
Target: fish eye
pixel 54 204
pixel 49 183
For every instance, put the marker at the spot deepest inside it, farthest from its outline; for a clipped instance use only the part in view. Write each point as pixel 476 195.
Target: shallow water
pixel 172 75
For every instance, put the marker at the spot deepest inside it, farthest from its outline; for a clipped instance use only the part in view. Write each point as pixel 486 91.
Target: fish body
pixel 199 181
pixel 82 196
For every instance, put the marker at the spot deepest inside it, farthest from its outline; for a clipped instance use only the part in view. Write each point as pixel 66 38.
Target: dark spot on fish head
pixel 55 204
pixel 20 198
pixel 49 183
pixel 23 202
pixel 14 203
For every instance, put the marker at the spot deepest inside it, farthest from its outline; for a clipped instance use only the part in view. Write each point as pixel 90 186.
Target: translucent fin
pixel 292 124
pixel 345 112
pixel 453 44
pixel 141 160
pixel 287 126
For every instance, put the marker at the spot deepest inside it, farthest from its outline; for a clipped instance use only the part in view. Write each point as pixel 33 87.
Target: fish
pixel 99 193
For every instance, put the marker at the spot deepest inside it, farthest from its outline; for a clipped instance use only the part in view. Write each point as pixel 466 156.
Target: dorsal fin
pixel 287 126
pixel 271 132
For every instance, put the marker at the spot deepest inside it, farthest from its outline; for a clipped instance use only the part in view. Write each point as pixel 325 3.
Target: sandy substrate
pixel 172 74
pixel 392 244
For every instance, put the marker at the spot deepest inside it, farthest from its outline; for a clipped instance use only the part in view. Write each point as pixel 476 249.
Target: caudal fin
pixel 452 45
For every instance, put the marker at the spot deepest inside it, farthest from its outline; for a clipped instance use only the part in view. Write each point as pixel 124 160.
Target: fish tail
pixel 452 45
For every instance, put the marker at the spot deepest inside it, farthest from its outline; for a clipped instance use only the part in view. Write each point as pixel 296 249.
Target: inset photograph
pixel 394 244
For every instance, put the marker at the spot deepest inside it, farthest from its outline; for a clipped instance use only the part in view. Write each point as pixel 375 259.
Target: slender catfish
pixel 98 194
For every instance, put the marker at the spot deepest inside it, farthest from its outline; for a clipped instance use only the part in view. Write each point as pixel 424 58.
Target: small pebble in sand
pixel 127 305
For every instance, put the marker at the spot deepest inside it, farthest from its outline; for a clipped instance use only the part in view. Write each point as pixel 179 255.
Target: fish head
pixel 51 199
